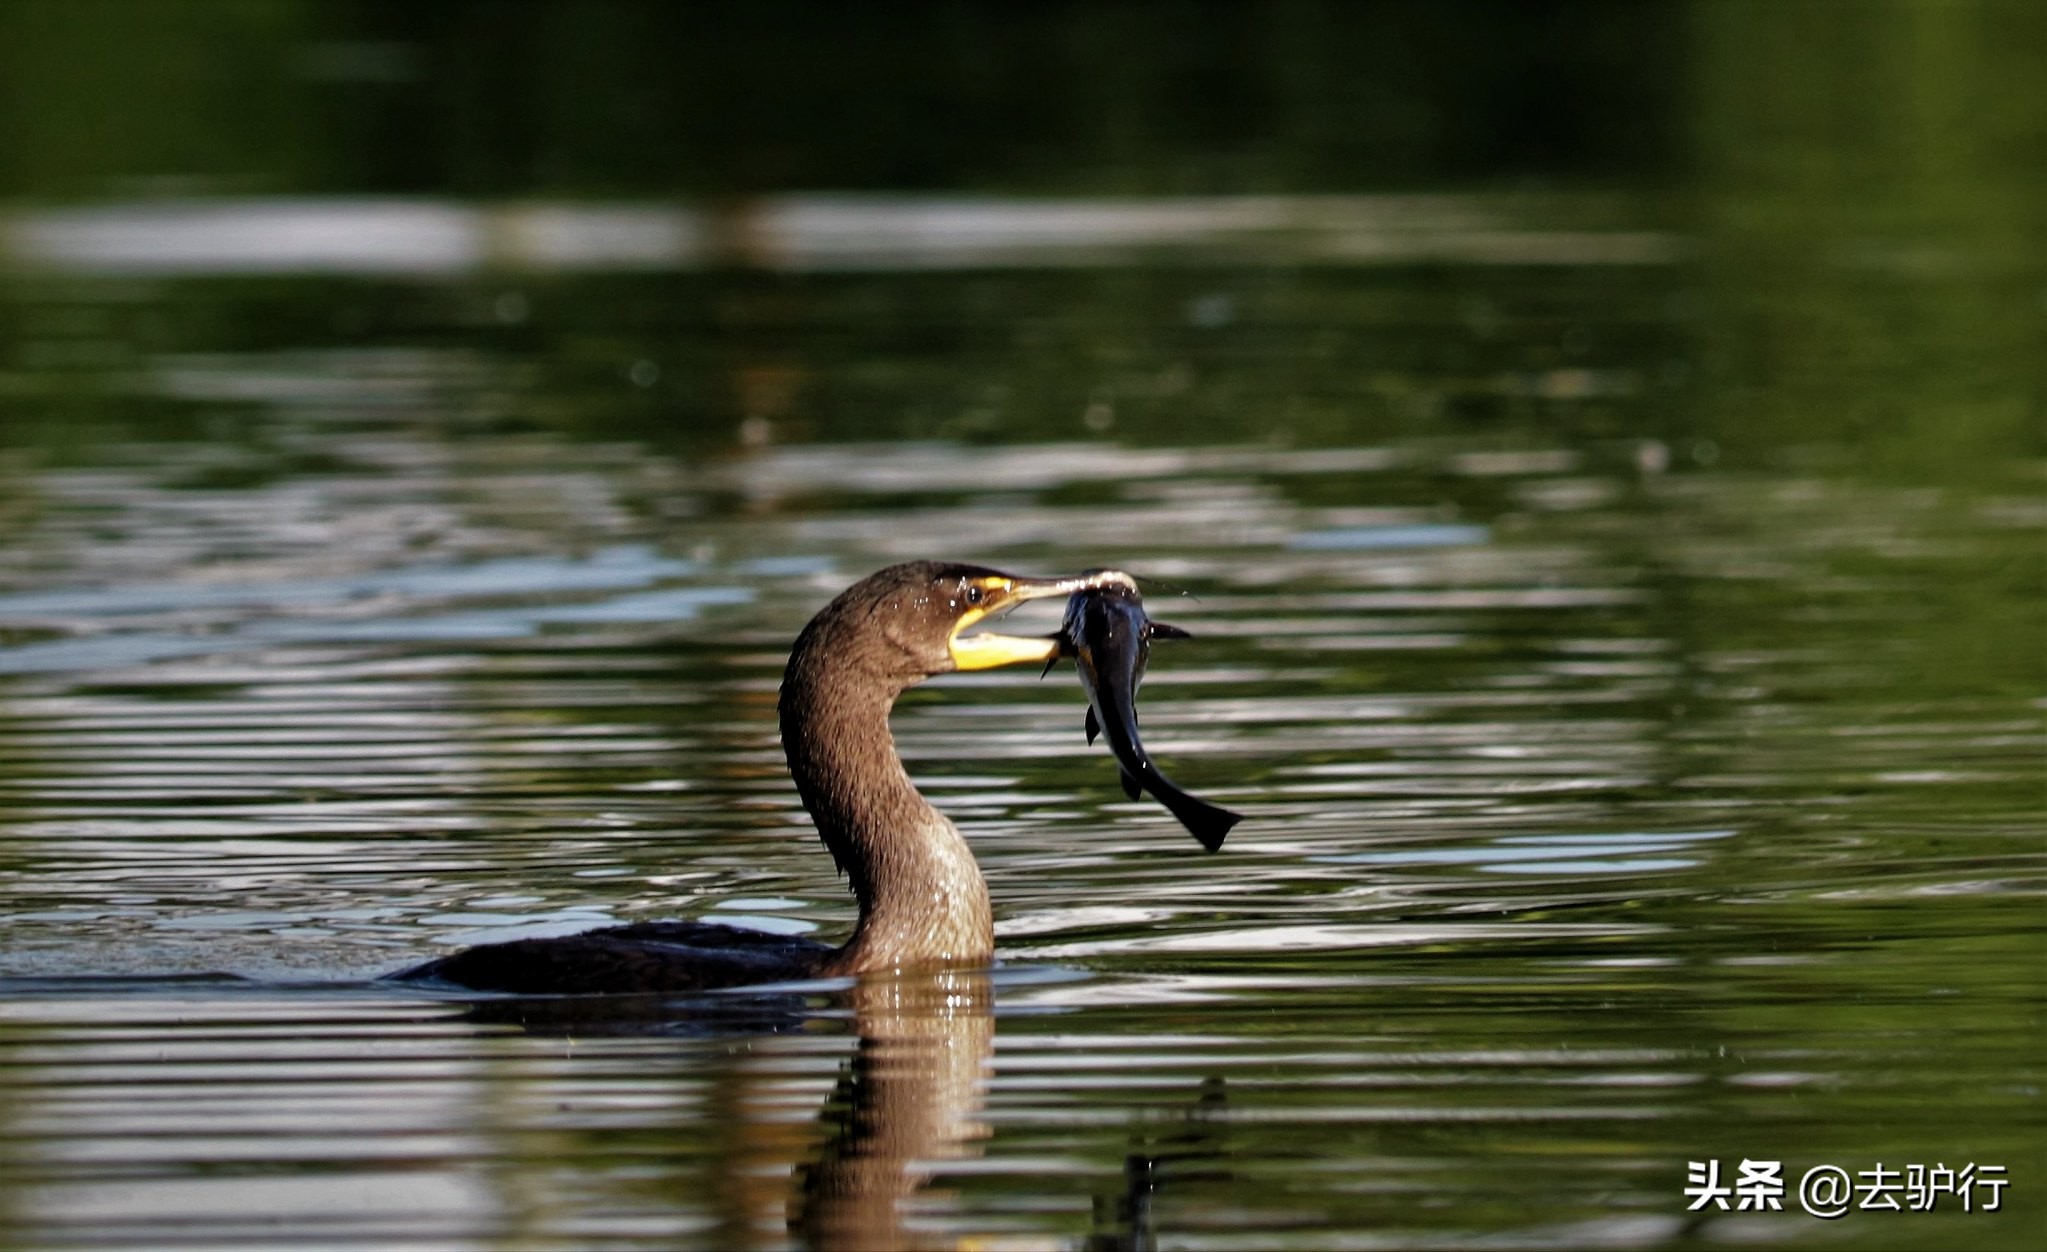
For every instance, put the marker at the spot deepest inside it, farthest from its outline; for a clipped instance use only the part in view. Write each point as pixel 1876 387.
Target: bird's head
pixel 919 619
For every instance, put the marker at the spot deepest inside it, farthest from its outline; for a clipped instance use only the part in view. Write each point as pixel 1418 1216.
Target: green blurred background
pixel 1856 189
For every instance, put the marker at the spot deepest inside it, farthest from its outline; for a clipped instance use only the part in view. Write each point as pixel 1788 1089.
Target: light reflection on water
pixel 1565 849
pixel 365 236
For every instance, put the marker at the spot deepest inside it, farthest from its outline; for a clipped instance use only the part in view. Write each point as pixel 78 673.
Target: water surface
pixel 1605 811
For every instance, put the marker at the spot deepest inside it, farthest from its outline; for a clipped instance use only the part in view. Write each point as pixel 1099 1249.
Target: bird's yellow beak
pixel 1001 592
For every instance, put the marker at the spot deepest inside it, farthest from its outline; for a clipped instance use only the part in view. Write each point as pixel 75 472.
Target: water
pixel 1616 606
pixel 1603 814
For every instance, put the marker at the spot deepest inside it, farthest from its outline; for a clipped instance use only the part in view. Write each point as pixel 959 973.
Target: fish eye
pixel 973 595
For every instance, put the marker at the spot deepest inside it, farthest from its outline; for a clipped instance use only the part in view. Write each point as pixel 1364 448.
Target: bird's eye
pixel 973 595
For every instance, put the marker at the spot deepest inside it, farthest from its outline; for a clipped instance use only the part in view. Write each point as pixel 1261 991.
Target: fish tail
pixel 1209 823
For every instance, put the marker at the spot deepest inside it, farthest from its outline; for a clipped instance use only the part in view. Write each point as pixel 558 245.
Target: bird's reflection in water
pixel 908 1100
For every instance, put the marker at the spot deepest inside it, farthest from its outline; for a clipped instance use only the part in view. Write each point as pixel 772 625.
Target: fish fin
pixel 1092 725
pixel 1161 630
pixel 1131 787
pixel 1064 650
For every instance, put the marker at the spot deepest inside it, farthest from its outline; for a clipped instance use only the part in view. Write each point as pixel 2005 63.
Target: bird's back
pixel 645 957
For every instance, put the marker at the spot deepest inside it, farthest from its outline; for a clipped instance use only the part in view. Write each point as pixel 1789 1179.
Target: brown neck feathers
pixel 922 899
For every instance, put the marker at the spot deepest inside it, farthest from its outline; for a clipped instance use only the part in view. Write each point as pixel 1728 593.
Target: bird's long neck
pixel 923 902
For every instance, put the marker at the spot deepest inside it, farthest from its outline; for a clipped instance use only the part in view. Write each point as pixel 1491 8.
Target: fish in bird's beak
pixel 1108 635
pixel 990 596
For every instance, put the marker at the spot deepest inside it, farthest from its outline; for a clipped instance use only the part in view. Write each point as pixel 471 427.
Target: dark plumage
pixel 922 900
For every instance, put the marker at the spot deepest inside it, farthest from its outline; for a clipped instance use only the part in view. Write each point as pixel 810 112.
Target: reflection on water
pixel 906 1108
pixel 805 234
